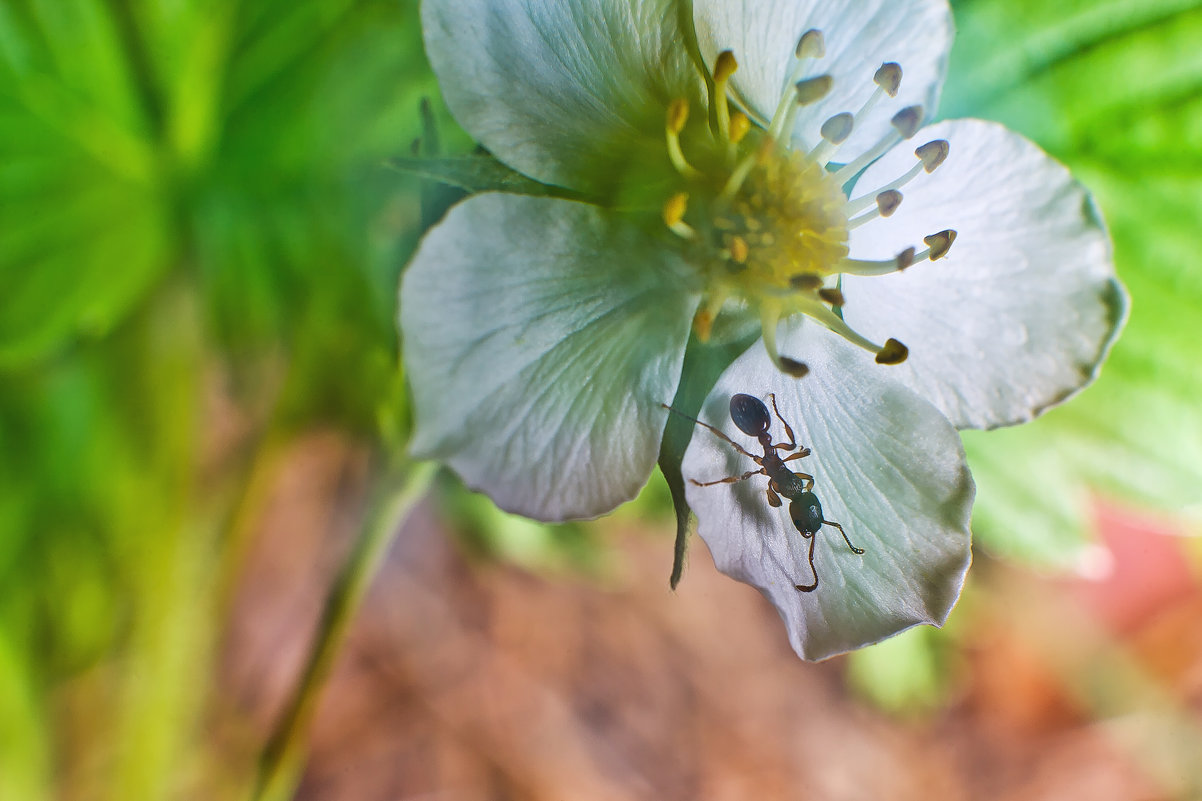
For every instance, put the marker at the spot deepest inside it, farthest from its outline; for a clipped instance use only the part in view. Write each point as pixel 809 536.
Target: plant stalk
pixel 282 758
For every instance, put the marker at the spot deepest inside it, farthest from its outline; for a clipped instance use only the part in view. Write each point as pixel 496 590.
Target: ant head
pixel 750 414
pixel 806 513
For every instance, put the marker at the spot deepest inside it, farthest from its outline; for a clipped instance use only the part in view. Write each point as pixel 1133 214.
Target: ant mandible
pixel 805 510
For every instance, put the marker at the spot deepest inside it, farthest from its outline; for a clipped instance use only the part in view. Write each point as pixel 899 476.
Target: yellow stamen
pixel 703 321
pixel 739 126
pixel 739 174
pixel 673 213
pixel 678 115
pixel 738 249
pixel 724 67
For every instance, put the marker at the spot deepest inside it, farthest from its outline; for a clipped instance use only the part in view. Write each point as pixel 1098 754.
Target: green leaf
pixel 478 173
pixel 86 222
pixel 1114 90
pixel 704 362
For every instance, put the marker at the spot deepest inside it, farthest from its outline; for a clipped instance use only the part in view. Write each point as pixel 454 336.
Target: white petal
pixel 568 92
pixel 1020 313
pixel 540 337
pixel 887 466
pixel 859 37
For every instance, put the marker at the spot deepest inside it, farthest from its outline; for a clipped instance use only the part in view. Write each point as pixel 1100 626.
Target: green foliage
pixel 703 364
pixel 238 144
pixel 1114 90
pixel 193 199
pixel 906 674
pixel 480 172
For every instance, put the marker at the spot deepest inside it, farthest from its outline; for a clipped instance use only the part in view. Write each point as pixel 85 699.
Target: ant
pixel 805 510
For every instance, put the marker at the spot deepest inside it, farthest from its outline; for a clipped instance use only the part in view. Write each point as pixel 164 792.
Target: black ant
pixel 751 416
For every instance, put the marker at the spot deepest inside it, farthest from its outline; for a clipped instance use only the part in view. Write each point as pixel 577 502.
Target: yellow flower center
pixel 768 226
pixel 786 219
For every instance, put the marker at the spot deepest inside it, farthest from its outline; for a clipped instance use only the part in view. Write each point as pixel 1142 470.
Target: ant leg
pixel 773 498
pixel 792 440
pixel 730 480
pixel 717 433
pixel 854 549
pixel 814 570
pixel 806 477
pixel 801 454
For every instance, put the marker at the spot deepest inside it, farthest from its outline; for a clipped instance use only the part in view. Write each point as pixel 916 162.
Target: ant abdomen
pixel 750 414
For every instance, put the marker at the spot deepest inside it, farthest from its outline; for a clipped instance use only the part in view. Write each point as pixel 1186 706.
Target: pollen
pixel 790 214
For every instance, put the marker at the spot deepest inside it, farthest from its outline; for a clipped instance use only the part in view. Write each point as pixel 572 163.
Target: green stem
pixel 283 757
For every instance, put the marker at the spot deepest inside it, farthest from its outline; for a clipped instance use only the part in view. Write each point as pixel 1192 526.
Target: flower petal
pixel 886 465
pixel 572 92
pixel 1020 313
pixel 537 370
pixel 859 37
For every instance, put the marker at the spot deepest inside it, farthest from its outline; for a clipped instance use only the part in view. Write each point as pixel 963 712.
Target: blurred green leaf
pixel 85 216
pixel 189 192
pixel 241 145
pixel 1114 90
pixel 905 674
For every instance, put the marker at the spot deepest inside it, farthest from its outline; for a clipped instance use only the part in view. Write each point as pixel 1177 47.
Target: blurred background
pixel 200 401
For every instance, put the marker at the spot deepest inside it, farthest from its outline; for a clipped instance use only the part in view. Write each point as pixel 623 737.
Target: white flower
pixel 764 162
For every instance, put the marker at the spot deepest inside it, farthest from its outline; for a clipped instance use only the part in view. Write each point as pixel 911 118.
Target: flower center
pixel 787 218
pixel 768 225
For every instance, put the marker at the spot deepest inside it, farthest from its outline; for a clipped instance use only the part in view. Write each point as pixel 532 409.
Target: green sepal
pixel 479 172
pixel 703 364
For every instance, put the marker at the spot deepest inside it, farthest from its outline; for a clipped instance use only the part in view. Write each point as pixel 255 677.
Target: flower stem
pixel 283 757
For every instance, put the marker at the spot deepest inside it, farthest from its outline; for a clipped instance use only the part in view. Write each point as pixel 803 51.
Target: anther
pixel 703 321
pixel 888 201
pixel 893 352
pixel 793 367
pixel 905 258
pixel 811 44
pixel 738 249
pixel 888 77
pixel 703 324
pixel 675 208
pixel 940 243
pixel 811 90
pixel 678 115
pixel 907 121
pixel 805 282
pixel 838 128
pixel 725 66
pixel 832 296
pixel 673 213
pixel 932 154
pixel 905 124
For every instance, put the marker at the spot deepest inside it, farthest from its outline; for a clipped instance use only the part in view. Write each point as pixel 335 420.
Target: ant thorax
pixel 789 484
